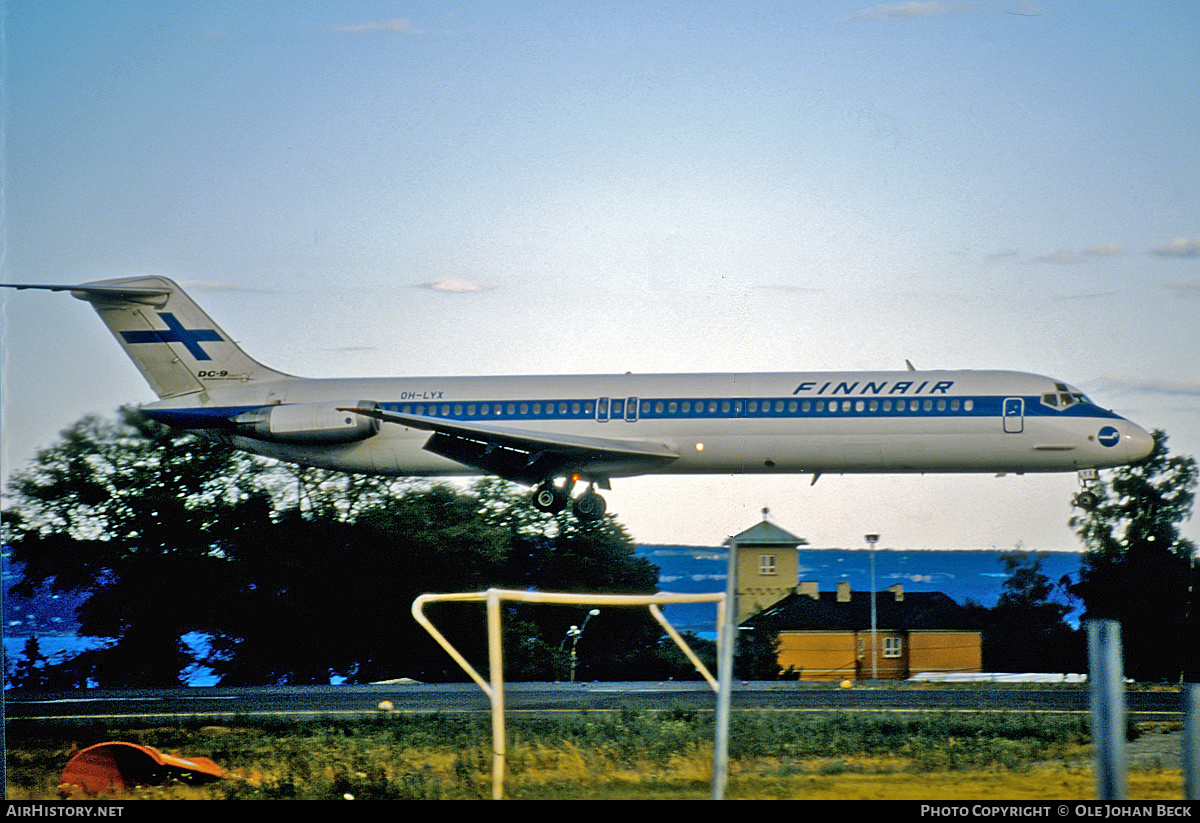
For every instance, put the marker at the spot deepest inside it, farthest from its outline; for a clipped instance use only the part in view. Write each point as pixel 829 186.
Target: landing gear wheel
pixel 589 507
pixel 1088 498
pixel 549 499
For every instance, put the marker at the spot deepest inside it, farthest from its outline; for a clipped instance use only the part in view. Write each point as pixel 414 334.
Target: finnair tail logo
pixel 176 333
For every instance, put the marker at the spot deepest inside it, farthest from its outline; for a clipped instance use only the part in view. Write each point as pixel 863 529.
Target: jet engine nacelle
pixel 307 423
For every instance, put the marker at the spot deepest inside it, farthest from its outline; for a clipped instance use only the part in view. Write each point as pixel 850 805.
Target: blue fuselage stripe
pixel 676 408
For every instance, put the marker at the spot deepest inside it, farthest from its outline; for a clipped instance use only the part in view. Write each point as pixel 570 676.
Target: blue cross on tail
pixel 176 333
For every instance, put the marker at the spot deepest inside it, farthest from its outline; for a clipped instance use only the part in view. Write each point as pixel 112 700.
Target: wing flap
pixel 528 456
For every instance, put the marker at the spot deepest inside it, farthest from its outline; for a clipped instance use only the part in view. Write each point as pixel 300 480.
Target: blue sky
pixel 457 188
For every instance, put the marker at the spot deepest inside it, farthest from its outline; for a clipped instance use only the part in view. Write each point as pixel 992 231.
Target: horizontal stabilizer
pixel 118 293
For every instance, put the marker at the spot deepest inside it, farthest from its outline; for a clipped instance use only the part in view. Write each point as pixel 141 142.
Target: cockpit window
pixel 1063 398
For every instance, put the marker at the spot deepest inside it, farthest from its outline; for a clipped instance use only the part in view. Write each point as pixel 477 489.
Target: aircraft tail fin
pixel 176 346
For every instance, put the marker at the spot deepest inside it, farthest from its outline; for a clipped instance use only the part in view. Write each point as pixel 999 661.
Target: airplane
pixel 553 432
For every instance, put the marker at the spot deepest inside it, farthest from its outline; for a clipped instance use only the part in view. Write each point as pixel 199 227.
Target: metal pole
pixel 573 633
pixel 1191 743
pixel 496 675
pixel 725 641
pixel 1106 676
pixel 872 539
pixel 576 632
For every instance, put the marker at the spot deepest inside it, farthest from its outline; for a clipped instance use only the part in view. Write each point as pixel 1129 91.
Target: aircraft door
pixel 602 409
pixel 631 410
pixel 1014 415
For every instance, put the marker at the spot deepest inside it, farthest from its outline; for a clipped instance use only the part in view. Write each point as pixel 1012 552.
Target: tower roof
pixel 767 534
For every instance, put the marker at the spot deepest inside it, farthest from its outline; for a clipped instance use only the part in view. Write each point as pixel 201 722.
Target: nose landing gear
pixel 1087 498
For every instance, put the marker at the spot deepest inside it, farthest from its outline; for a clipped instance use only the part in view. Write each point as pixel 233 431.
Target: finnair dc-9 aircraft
pixel 555 432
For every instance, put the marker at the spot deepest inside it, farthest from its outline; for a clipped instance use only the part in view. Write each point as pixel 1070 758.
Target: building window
pixel 766 564
pixel 892 646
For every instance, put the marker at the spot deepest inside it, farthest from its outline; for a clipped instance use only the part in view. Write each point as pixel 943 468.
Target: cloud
pixel 1004 254
pixel 1189 291
pixel 351 349
pixel 214 285
pixel 1064 257
pixel 394 25
pixel 788 288
pixel 1099 295
pixel 453 284
pixel 1029 9
pixel 1180 247
pixel 1150 385
pixel 1057 257
pixel 913 9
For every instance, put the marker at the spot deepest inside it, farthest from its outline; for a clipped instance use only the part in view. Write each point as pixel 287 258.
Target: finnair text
pixel 872 387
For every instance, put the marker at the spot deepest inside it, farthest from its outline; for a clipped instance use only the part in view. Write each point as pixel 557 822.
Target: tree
pixel 562 554
pixel 1027 630
pixel 1137 569
pixel 334 596
pixel 299 574
pixel 30 671
pixel 137 516
pixel 756 652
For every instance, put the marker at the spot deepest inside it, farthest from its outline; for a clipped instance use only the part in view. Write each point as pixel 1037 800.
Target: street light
pixel 576 632
pixel 872 539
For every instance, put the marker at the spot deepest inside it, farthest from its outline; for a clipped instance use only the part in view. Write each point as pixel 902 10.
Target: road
pixel 317 701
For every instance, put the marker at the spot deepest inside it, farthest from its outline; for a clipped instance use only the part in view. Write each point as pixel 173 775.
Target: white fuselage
pixel 941 421
pixel 534 430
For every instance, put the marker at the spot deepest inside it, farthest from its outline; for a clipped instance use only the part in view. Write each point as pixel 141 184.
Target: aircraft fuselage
pixel 535 430
pixel 902 422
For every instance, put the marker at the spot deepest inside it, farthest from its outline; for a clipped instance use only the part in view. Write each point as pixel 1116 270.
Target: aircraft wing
pixel 530 456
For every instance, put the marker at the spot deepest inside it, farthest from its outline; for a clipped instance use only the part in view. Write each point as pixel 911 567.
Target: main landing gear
pixel 550 498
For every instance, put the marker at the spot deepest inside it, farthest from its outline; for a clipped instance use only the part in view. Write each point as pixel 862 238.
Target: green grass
pixel 612 755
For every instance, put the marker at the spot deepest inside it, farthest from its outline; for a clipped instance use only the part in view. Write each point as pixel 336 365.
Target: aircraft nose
pixel 1139 443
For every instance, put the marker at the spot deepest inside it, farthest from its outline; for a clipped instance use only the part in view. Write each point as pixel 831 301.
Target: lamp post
pixel 576 632
pixel 872 539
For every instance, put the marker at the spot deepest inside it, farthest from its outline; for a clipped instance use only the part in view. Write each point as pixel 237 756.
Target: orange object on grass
pixel 120 766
